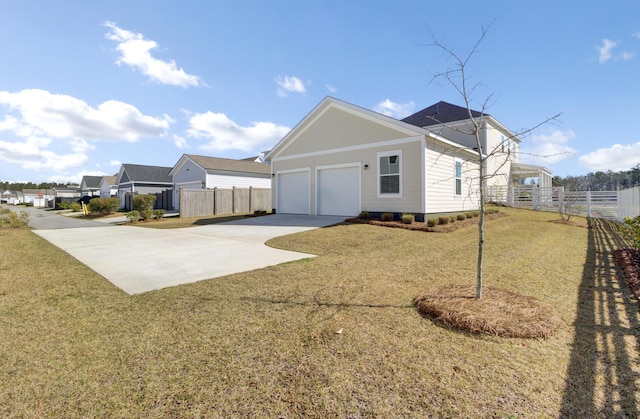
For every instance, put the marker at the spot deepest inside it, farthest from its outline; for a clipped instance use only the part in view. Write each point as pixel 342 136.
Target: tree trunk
pixel 480 229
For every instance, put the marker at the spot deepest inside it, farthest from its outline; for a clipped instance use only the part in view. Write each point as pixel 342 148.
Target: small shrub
pixel 133 216
pixel 461 217
pixel 408 218
pixel 432 222
pixel 104 206
pixel 387 216
pixel 158 214
pixel 631 230
pixel 469 214
pixel 76 207
pixel 364 215
pixel 476 213
pixel 11 219
pixel 144 205
pixel 443 220
pixel 64 205
pixel 452 218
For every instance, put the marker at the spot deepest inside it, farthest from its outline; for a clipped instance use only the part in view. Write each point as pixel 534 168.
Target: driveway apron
pixel 138 259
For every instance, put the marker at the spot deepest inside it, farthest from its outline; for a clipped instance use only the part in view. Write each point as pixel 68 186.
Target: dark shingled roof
pixel 218 163
pixel 440 113
pixel 91 181
pixel 154 174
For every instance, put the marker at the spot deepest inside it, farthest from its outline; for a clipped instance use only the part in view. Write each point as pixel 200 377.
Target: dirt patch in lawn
pixel 498 313
pixel 421 226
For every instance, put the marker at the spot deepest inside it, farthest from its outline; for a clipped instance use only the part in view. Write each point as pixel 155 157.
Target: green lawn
pixel 332 336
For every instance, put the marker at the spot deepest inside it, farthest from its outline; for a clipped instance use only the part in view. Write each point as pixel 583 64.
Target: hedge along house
pixel 203 172
pixel 342 159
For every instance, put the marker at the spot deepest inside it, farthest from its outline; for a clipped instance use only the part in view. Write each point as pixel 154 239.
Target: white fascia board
pixel 351 148
pixel 178 165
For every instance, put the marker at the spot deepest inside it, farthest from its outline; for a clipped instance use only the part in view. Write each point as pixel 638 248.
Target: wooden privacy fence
pixel 164 200
pixel 216 201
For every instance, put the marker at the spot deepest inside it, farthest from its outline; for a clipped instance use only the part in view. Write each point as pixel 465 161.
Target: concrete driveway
pixel 138 259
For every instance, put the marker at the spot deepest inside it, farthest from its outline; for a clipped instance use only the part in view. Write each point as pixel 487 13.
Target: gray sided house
pixel 90 185
pixel 141 179
pixel 203 172
pixel 108 186
pixel 342 159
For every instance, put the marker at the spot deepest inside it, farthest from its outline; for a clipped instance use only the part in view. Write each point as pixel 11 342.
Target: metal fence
pixel 216 201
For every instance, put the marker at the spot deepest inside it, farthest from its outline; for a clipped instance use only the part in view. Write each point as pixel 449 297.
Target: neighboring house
pixel 108 186
pixel 137 178
pixel 39 197
pixel 90 185
pixel 203 172
pixel 342 159
pixel 12 197
pixel 67 192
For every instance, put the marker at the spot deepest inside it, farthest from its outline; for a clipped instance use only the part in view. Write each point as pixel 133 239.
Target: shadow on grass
pixel 601 377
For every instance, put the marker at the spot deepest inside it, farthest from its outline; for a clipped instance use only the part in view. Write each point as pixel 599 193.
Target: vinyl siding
pixel 228 182
pixel 189 172
pixel 411 164
pixel 440 181
pixel 337 128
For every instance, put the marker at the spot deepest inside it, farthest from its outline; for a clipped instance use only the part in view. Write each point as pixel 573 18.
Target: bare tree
pixel 458 79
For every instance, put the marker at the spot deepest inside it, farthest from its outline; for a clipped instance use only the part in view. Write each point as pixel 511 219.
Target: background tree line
pixel 18 186
pixel 601 181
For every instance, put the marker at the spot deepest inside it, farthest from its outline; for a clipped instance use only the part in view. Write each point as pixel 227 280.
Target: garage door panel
pixel 339 191
pixel 293 193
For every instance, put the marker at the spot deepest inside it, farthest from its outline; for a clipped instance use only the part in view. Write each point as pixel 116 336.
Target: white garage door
pixel 293 193
pixel 339 191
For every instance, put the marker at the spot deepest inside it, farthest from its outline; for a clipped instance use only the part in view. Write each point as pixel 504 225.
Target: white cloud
pixel 290 84
pixel 179 141
pixel 616 158
pixel 395 110
pixel 62 116
pixel 331 88
pixel 636 35
pixel 548 148
pixel 135 51
pixel 31 155
pixel 224 134
pixel 606 52
pixel 116 163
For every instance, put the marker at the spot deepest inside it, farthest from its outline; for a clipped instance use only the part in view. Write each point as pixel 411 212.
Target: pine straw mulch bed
pixel 629 261
pixel 499 312
pixel 420 226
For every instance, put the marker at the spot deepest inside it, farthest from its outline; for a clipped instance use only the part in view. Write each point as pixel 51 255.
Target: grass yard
pixel 332 336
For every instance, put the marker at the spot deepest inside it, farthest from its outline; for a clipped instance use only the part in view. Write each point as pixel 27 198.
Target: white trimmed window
pixel 390 173
pixel 458 177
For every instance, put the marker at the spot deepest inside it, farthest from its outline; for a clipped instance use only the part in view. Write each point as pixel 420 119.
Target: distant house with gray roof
pixel 205 172
pixel 90 185
pixel 142 179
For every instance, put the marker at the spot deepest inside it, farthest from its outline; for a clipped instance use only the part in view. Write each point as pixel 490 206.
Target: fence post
pixel 588 204
pixel 250 199
pixel 536 197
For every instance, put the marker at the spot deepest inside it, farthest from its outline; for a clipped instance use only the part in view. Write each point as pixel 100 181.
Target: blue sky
pixel 87 86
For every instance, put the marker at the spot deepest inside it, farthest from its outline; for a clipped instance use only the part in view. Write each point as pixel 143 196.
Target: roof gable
pixel 90 181
pixel 334 123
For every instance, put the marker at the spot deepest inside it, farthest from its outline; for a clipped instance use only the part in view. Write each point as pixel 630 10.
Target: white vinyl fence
pixel 613 205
